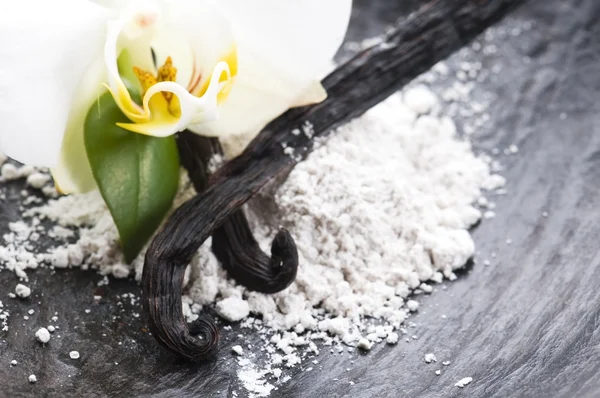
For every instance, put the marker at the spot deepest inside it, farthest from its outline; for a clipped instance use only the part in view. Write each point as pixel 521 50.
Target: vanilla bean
pixel 235 247
pixel 166 320
pixel 233 243
pixel 195 153
pixel 428 36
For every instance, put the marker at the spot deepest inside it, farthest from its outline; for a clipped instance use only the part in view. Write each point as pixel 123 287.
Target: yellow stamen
pixel 166 73
pixel 146 79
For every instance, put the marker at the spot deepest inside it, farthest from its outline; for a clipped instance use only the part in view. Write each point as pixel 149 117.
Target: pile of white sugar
pixel 379 211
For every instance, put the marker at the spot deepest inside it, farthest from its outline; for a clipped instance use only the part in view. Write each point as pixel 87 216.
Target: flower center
pixel 166 73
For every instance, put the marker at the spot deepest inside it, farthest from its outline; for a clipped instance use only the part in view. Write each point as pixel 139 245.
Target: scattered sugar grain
pixel 42 335
pixel 364 344
pixel 392 338
pixel 233 309
pixel 489 214
pixel 38 180
pixel 22 291
pixel 463 382
pixel 426 288
pixel 32 378
pixel 438 277
pixel 494 181
pixel 26 170
pixel 412 305
pixel 9 172
pixel 429 358
pixel 238 350
pixel 74 354
pixel 254 381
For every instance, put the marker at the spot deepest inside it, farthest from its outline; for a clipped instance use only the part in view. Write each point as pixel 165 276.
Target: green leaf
pixel 137 175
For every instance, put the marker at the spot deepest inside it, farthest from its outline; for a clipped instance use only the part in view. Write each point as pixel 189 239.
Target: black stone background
pixel 527 325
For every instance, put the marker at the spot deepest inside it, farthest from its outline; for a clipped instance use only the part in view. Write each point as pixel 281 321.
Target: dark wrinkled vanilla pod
pixel 233 243
pixel 431 34
pixel 235 247
pixel 165 317
pixel 195 153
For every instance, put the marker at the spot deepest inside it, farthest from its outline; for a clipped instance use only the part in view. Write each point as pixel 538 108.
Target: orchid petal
pixel 197 36
pixel 73 174
pixel 113 4
pixel 44 55
pixel 283 47
pixel 293 38
pixel 314 94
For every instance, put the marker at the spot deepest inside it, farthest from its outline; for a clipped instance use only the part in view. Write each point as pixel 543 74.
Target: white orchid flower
pixel 217 68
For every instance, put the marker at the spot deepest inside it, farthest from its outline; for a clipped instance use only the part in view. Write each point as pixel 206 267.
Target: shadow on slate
pixel 527 325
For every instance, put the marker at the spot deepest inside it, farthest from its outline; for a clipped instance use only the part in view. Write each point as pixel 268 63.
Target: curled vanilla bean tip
pixel 162 287
pixel 206 329
pixel 233 242
pixel 242 257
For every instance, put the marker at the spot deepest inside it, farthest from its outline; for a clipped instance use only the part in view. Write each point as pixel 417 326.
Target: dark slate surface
pixel 527 325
